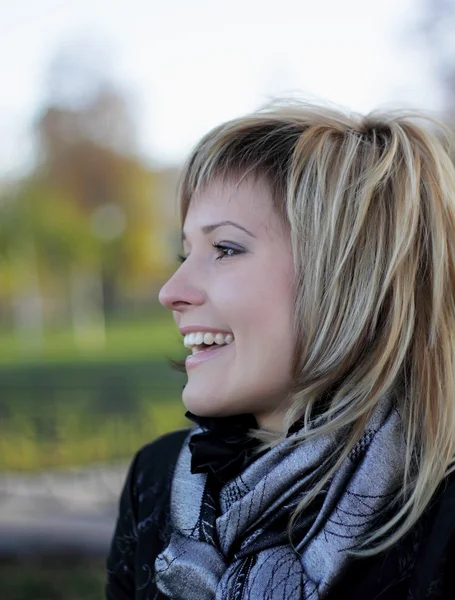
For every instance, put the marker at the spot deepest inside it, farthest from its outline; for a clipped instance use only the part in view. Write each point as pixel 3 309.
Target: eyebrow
pixel 209 228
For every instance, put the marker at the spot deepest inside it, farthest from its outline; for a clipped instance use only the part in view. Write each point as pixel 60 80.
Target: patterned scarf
pixel 229 542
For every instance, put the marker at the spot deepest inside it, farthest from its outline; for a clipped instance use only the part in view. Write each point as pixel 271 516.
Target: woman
pixel 317 296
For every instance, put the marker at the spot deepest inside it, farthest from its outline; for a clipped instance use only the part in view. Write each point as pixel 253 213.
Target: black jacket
pixel 421 566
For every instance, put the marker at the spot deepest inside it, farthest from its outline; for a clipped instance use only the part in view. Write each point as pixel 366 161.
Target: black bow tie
pixel 224 449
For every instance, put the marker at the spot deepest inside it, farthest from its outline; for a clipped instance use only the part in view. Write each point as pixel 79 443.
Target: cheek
pixel 259 299
pixel 262 321
pixel 235 299
pixel 272 322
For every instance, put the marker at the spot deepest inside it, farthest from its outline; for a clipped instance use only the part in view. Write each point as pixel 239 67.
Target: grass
pixel 125 339
pixel 70 407
pixel 53 581
pixel 78 438
pixel 74 415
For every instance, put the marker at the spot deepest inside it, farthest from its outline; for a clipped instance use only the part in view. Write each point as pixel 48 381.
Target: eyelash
pixel 220 248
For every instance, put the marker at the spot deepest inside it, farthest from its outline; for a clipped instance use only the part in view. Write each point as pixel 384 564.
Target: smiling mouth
pixel 202 355
pixel 203 342
pixel 202 348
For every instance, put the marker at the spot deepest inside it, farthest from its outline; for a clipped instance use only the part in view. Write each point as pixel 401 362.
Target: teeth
pixel 197 338
pixel 208 339
pixel 188 340
pixel 219 338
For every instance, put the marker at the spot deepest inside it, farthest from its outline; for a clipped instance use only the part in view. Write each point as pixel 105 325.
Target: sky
pixel 188 65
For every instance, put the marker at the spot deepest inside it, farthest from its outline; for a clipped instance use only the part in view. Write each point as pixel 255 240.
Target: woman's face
pixel 242 287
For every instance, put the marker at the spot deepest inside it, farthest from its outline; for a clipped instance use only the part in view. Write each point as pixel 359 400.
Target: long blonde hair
pixel 370 202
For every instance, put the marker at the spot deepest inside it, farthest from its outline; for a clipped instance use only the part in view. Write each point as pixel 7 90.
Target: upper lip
pixel 202 328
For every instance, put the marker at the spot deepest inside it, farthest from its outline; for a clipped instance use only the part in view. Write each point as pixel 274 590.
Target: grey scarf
pixel 233 544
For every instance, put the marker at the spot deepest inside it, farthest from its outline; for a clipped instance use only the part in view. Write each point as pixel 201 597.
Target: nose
pixel 179 292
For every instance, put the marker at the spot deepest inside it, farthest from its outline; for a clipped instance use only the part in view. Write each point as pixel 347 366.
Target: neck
pixel 272 421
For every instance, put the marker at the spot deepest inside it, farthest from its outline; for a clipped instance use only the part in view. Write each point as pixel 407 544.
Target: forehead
pixel 248 201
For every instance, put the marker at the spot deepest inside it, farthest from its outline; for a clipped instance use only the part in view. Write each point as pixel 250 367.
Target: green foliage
pixel 154 337
pixel 58 415
pixel 43 234
pixel 70 408
pixel 55 581
pixel 82 435
pixel 92 207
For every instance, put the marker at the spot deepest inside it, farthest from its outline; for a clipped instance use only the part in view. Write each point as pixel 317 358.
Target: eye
pixel 225 251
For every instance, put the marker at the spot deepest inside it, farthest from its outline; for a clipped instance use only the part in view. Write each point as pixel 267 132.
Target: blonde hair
pixel 370 202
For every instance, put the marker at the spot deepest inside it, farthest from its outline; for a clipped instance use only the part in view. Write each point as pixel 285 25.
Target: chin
pixel 203 405
pixel 197 404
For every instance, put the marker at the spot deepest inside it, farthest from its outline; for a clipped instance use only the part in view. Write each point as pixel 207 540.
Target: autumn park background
pixel 89 231
pixel 87 237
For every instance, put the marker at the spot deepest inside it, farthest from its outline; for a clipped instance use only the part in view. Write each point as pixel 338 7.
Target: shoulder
pixel 440 516
pixel 420 565
pixel 143 520
pixel 161 450
pixel 446 491
pixel 156 460
pixel 150 473
pixel 145 495
pixel 434 564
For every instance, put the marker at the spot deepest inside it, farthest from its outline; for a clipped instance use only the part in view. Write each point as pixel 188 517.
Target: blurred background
pixel 100 102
